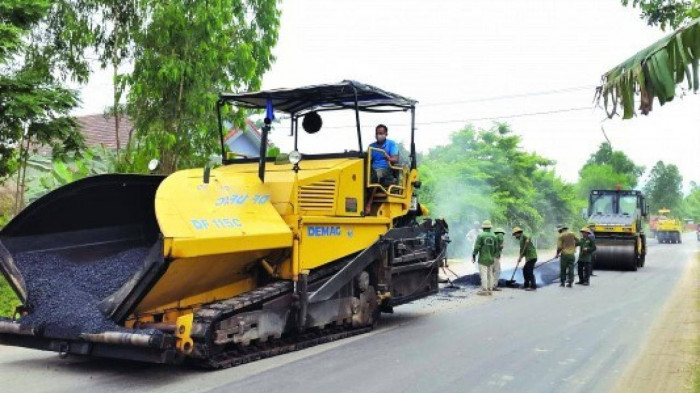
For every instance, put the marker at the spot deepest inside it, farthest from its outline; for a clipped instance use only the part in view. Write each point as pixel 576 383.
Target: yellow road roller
pixel 616 219
pixel 219 266
pixel 668 229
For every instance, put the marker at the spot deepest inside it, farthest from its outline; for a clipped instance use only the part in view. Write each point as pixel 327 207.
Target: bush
pixel 8 300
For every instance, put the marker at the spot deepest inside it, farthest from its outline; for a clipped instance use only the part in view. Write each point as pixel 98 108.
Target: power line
pixel 552 112
pixel 493 98
pixel 501 117
pixel 505 97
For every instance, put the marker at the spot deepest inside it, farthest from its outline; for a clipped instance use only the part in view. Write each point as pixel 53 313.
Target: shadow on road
pixel 145 374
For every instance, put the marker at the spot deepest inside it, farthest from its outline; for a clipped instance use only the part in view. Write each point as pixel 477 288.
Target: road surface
pixel 557 339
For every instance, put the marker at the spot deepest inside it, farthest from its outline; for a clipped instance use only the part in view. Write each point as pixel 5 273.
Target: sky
pixel 459 59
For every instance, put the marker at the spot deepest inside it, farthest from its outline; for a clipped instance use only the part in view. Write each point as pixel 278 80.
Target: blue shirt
pixel 378 159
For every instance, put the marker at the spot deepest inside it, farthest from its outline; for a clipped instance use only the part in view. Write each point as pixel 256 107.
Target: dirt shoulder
pixel 670 356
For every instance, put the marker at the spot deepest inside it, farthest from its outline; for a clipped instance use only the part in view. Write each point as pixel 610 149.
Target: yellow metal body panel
pixel 668 225
pixel 232 213
pixel 630 229
pixel 321 187
pixel 215 233
pixel 192 281
pixel 325 239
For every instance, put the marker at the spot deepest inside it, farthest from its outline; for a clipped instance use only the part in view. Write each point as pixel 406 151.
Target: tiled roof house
pixel 100 130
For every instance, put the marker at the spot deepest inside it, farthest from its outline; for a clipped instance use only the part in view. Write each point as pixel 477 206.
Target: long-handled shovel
pixel 511 283
pixel 545 262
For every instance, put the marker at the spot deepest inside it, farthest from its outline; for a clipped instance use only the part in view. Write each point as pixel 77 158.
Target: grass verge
pixel 696 366
pixel 8 300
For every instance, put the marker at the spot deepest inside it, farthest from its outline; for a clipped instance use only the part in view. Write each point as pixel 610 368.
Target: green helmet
pixel 486 224
pixel 499 230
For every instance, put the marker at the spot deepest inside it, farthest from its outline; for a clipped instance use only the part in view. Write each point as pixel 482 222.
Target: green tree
pixel 45 175
pixel 664 187
pixel 188 52
pixel 34 107
pixel 74 30
pixel 666 13
pixel 485 174
pixel 618 161
pixel 114 44
pixel 691 203
pixel 600 177
pixel 606 169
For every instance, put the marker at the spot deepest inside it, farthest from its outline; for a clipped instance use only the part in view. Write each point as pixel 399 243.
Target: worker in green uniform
pixel 591 234
pixel 485 248
pixel 585 256
pixel 499 232
pixel 527 251
pixel 566 251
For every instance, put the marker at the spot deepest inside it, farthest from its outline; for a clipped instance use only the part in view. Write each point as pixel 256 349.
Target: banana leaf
pixel 653 73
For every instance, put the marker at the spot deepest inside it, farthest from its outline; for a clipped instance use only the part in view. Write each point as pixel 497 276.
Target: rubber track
pixel 259 351
pixel 208 315
pixel 224 308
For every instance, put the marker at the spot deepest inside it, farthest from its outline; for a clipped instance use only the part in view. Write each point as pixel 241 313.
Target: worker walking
pixel 485 248
pixel 585 256
pixel 499 232
pixel 566 250
pixel 527 251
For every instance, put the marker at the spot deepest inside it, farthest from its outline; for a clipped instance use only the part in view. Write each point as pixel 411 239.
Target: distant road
pixel 554 340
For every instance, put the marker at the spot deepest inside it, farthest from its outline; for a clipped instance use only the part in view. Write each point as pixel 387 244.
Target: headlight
pixel 294 157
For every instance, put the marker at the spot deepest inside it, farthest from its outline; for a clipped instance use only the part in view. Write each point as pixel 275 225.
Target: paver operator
pixel 385 155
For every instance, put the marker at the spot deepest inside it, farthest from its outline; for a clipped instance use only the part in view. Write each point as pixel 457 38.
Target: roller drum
pixel 616 254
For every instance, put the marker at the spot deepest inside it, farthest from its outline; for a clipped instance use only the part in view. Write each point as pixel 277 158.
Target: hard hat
pixel 486 224
pixel 477 223
pixel 585 229
pixel 561 227
pixel 517 230
pixel 499 230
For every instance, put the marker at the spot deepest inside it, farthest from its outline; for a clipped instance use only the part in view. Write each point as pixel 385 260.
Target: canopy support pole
pixel 263 149
pixel 357 119
pixel 413 137
pixel 219 103
pixel 295 131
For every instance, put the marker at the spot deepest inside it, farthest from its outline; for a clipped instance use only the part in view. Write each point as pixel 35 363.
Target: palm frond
pixel 652 73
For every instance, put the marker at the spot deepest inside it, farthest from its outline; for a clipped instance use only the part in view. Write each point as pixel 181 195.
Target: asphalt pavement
pixel 556 339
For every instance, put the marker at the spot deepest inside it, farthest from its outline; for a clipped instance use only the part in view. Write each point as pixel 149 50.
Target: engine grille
pixel 318 196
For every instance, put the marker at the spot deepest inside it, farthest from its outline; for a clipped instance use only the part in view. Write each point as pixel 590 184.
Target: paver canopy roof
pixel 322 97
